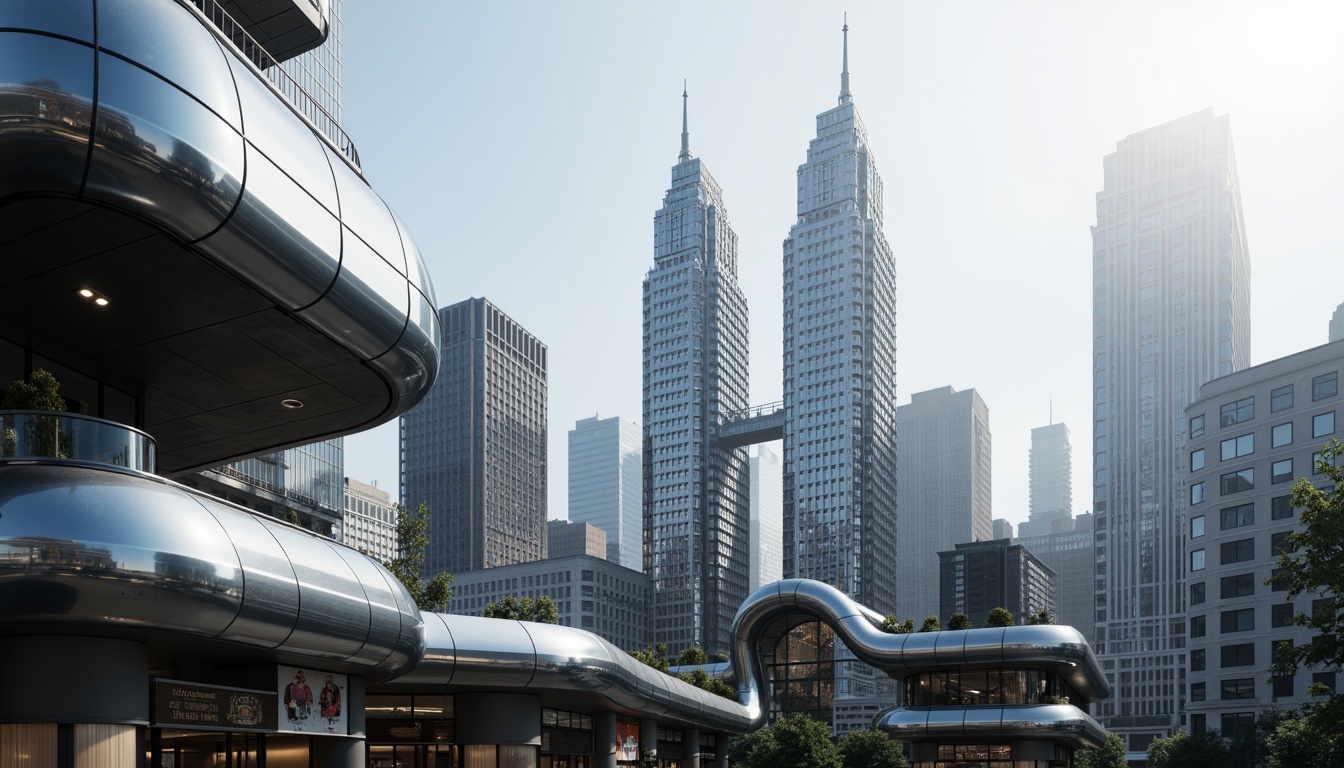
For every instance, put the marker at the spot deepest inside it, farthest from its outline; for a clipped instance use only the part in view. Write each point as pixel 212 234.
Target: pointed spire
pixel 844 68
pixel 685 134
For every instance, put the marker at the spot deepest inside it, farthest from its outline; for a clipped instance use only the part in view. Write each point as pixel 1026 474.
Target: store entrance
pixel 413 756
pixel 206 749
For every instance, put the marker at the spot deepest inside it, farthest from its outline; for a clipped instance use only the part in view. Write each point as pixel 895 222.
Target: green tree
pixel 412 537
pixel 541 609
pixel 897 627
pixel 701 679
pixel 871 749
pixel 999 617
pixel 931 624
pixel 42 434
pixel 41 392
pixel 1182 750
pixel 1300 741
pixel 1111 754
pixel 1043 616
pixel 655 657
pixel 794 740
pixel 959 621
pixel 692 656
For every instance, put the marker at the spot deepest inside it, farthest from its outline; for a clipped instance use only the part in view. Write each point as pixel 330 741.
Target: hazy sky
pixel 527 145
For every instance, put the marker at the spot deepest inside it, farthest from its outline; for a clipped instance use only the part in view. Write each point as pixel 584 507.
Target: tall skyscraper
pixel 840 367
pixel 1051 481
pixel 978 576
pixel 767 510
pixel 605 481
pixel 695 371
pixel 369 523
pixel 474 450
pixel 944 484
pixel 1171 310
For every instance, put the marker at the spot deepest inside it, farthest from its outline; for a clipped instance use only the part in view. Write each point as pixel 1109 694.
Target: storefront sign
pixel 210 707
pixel 310 701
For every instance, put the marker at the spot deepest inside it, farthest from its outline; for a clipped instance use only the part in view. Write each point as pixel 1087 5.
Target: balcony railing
pixel 26 435
pixel 328 127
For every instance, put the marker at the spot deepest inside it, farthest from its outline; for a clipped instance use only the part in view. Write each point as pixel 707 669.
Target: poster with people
pixel 627 741
pixel 311 701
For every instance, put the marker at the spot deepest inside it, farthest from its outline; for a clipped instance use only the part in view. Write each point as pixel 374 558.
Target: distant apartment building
pixel 606 484
pixel 474 450
pixel 767 509
pixel 944 486
pixel 977 577
pixel 565 538
pixel 1068 551
pixel 370 520
pixel 1252 435
pixel 589 592
pixel 1051 481
pixel 1171 311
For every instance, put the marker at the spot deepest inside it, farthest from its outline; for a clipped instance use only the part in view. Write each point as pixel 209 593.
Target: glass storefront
pixel 979 686
pixel 415 732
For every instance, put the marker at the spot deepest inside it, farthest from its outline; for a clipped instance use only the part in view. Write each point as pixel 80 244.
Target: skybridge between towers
pixel 756 424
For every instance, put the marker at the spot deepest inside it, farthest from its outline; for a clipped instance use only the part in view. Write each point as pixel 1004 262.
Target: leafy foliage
pixel 1310 740
pixel 794 740
pixel 999 617
pixel 541 609
pixel 701 679
pixel 692 655
pixel 655 657
pixel 1043 616
pixel 41 392
pixel 1182 750
pixel 1111 754
pixel 412 537
pixel 959 621
pixel 931 624
pixel 871 749
pixel 897 627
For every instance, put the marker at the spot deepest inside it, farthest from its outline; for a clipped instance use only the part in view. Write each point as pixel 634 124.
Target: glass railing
pixel 26 435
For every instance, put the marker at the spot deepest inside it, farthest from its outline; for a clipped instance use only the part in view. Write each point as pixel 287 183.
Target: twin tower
pixel 839 412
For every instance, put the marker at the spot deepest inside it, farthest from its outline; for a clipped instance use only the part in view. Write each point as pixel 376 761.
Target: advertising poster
pixel 194 706
pixel 627 742
pixel 311 701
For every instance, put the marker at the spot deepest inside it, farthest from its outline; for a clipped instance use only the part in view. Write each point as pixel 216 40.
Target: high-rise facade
pixel 944 484
pixel 1337 324
pixel 1068 551
pixel 605 482
pixel 1050 475
pixel 977 577
pixel 767 509
pixel 840 367
pixel 369 523
pixel 474 450
pixel 1170 311
pixel 695 371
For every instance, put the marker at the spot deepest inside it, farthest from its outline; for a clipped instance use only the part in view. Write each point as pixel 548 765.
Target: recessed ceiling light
pixel 86 293
pixel 291 404
pixel 94 296
pixel 100 301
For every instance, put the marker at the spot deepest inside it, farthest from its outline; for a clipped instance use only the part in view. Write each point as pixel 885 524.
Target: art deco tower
pixel 840 367
pixel 1171 311
pixel 695 370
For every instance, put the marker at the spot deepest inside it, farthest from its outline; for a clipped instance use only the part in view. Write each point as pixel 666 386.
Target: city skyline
pixel 965 120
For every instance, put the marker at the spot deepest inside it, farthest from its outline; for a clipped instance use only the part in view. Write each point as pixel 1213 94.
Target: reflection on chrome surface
pixel 72 436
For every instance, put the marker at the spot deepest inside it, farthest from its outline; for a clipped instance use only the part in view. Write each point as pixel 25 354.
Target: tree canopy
pixel 656 657
pixel 871 749
pixel 430 594
pixel 959 621
pixel 999 617
pixel 897 627
pixel 1043 616
pixel 794 740
pixel 41 392
pixel 1111 754
pixel 931 624
pixel 1205 749
pixel 540 609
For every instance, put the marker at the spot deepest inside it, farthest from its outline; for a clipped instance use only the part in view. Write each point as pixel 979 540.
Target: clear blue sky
pixel 527 145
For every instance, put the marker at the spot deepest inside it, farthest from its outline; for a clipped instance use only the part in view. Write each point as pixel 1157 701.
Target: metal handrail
pixel 303 102
pixel 751 412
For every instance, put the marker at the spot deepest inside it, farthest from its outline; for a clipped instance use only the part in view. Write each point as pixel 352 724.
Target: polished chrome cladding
pixel 123 552
pixel 182 133
pixel 71 436
pixel 1045 722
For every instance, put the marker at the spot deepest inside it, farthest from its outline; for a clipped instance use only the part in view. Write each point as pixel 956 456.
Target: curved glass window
pixel 968 687
pixel 803 672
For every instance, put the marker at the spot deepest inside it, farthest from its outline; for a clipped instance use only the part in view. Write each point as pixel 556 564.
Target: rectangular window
pixel 1281 615
pixel 1280 507
pixel 1281 435
pixel 1196 527
pixel 1198 722
pixel 1236 517
pixel 1240 585
pixel 1281 399
pixel 1235 413
pixel 1324 678
pixel 1197 662
pixel 1196 425
pixel 1277 584
pixel 1237 482
pixel 1197 460
pixel 1238 551
pixel 1197 691
pixel 1238 725
pixel 1281 471
pixel 1240 655
pixel 1197 560
pixel 1326 385
pixel 1197 494
pixel 1197 626
pixel 1240 620
pixel 1283 686
pixel 1236 447
pixel 1279 544
pixel 1323 424
pixel 1197 595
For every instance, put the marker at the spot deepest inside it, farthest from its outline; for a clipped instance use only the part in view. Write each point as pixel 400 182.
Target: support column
pixel 721 750
pixel 690 747
pixel 604 740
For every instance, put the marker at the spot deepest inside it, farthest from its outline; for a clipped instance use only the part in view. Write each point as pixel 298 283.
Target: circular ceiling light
pixel 291 404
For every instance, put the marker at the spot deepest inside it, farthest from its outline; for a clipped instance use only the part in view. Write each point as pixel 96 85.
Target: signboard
pixel 627 741
pixel 310 701
pixel 179 704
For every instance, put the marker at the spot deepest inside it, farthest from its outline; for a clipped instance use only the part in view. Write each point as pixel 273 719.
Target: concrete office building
pixel 945 491
pixel 1003 528
pixel 474 450
pixel 695 371
pixel 977 577
pixel 606 482
pixel 1068 552
pixel 1051 481
pixel 1171 310
pixel 1252 435
pixel 767 509
pixel 1337 324
pixel 369 523
pixel 565 538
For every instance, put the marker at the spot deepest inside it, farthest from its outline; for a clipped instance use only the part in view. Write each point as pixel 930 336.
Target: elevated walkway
pixel 757 424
